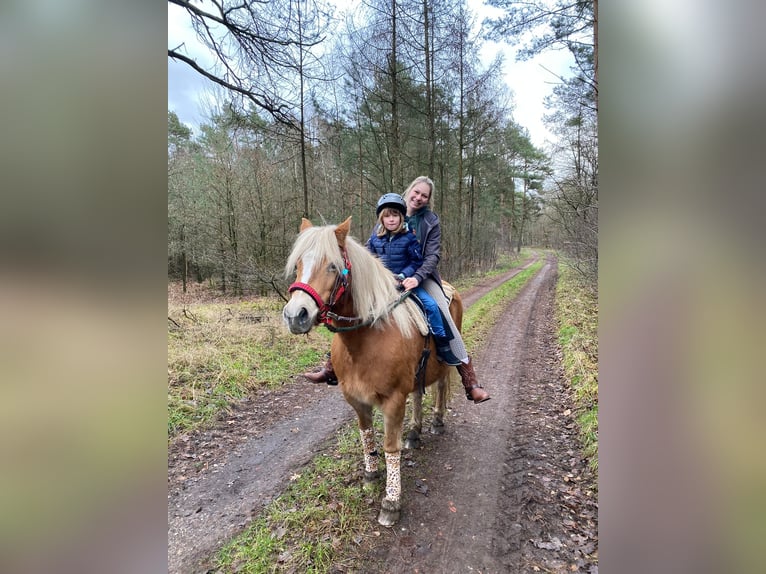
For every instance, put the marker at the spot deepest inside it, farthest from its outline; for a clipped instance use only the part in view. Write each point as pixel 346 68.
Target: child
pixel 400 251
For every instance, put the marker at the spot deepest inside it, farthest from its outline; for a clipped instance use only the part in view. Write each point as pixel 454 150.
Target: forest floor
pixel 505 489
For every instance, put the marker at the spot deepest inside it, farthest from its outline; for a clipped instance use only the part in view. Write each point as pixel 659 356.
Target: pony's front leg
pixel 367 434
pixel 416 421
pixel 393 416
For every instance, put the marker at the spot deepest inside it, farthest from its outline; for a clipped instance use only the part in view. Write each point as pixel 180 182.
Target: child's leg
pixel 433 313
pixel 456 343
pixel 437 327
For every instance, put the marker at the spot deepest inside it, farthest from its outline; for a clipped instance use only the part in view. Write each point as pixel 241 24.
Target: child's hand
pixel 410 283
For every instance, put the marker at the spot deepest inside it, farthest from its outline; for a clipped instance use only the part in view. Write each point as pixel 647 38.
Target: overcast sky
pixel 529 81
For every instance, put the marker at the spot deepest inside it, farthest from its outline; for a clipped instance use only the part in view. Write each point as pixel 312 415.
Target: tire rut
pixel 473 517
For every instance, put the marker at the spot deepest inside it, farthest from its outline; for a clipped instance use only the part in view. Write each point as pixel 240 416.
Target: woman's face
pixel 418 196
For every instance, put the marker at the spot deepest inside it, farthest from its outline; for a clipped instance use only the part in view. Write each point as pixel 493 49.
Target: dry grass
pixel 221 349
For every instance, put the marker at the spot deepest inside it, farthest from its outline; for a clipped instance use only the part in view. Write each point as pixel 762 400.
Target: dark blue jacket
pixel 400 253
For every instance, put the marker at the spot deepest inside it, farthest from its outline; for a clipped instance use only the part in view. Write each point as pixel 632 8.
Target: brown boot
pixel 325 375
pixel 473 390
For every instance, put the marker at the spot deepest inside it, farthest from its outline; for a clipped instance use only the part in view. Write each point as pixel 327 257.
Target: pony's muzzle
pixel 299 317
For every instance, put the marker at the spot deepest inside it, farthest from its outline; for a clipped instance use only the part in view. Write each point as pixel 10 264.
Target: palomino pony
pixel 376 349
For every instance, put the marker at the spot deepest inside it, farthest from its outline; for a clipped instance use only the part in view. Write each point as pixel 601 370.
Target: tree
pixel 252 42
pixel 179 165
pixel 574 205
pixel 406 95
pixel 571 24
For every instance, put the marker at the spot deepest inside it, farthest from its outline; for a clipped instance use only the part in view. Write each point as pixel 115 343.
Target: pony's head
pixel 332 268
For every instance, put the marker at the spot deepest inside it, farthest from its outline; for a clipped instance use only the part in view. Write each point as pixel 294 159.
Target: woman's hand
pixel 410 283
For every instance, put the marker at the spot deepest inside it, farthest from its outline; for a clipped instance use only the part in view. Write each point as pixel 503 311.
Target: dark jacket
pixel 429 233
pixel 400 253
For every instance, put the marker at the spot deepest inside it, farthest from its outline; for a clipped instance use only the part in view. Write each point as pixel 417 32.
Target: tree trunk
pixel 429 90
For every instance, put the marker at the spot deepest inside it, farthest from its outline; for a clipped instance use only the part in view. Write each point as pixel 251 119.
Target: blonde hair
pixel 420 179
pixel 385 212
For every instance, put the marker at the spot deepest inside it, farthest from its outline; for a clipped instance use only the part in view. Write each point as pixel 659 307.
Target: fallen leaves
pixel 554 544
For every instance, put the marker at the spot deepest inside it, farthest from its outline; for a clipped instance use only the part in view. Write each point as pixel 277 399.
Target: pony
pixel 379 355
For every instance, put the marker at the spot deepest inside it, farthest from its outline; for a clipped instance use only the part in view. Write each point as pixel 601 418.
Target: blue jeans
pixel 432 312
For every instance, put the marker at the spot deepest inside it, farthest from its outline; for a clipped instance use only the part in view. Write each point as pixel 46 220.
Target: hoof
pixel 413 440
pixel 389 512
pixel 371 477
pixel 437 427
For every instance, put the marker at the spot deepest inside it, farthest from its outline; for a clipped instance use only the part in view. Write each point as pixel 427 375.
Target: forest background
pixel 317 116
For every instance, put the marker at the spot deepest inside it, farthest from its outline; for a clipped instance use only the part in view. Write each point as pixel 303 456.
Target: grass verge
pixel 577 318
pixel 319 524
pixel 477 321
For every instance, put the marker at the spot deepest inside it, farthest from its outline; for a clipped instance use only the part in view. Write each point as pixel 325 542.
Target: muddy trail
pixel 503 490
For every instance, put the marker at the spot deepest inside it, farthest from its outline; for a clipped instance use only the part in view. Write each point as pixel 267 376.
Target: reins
pixel 361 322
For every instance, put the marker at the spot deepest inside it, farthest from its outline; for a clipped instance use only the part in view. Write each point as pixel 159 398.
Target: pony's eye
pixel 332 268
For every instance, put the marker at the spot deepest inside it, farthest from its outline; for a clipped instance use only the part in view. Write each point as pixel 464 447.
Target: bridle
pixel 342 281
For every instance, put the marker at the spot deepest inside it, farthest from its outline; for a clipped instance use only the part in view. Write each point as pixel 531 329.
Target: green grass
pixel 318 524
pixel 577 317
pixel 482 315
pixel 505 263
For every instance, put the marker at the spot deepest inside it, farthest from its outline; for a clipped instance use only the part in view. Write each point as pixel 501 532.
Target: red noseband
pixel 308 289
pixel 341 282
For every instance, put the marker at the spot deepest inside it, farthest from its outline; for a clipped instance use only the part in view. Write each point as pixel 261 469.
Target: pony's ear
pixel 342 230
pixel 305 224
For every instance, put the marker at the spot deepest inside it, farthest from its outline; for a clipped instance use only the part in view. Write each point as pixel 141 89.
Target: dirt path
pixel 218 480
pixel 506 488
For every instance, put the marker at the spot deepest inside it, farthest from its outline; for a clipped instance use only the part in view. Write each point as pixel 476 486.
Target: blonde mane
pixel 372 285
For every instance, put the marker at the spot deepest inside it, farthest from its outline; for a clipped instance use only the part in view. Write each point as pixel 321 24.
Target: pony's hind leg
pixel 416 422
pixel 440 405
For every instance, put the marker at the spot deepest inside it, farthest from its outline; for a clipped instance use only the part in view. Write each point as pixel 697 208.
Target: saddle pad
pixel 417 315
pixel 449 291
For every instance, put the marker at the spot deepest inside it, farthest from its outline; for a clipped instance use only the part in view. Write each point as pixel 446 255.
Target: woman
pixel 425 224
